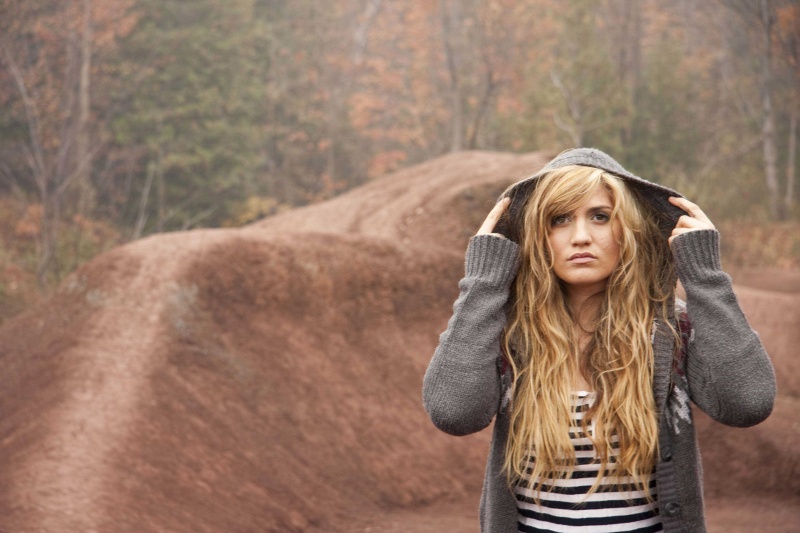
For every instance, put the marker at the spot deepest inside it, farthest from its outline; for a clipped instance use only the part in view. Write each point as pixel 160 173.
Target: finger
pixel 679 231
pixel 698 214
pixel 686 221
pixel 494 215
pixel 690 223
pixel 683 203
pixel 695 225
pixel 691 208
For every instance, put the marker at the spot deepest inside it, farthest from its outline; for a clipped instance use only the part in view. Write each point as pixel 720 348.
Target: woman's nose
pixel 580 233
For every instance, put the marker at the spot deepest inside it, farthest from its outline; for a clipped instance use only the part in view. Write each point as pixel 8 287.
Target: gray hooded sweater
pixel 723 368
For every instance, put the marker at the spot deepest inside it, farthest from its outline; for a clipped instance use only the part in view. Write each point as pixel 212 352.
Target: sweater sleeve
pixel 462 386
pixel 729 373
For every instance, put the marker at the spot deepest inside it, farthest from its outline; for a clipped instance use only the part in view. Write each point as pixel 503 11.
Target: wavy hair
pixel 618 360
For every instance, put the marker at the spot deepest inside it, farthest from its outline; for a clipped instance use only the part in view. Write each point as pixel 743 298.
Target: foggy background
pixel 262 372
pixel 123 118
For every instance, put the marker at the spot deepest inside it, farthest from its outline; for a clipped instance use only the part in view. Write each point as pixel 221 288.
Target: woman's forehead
pixel 601 197
pixel 574 198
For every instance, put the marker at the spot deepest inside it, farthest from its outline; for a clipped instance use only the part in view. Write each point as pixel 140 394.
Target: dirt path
pixel 785 281
pixel 116 355
pixel 753 515
pixel 203 381
pixel 461 517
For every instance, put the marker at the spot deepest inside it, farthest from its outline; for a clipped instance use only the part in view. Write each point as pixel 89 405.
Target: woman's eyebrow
pixel 595 208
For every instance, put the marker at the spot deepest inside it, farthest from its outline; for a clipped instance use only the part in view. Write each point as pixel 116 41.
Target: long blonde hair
pixel 618 361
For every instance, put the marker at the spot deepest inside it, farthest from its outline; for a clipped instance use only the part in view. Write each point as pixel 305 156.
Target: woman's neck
pixel 584 306
pixel 579 382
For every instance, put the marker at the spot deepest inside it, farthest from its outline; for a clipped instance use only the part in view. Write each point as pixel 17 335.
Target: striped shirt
pixel 567 508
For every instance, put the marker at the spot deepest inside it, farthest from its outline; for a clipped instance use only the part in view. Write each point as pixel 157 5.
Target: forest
pixel 125 118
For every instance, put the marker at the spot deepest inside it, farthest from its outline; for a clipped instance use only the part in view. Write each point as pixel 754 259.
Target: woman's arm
pixel 729 374
pixel 462 388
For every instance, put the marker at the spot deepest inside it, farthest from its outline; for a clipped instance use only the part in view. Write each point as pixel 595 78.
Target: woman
pixel 567 333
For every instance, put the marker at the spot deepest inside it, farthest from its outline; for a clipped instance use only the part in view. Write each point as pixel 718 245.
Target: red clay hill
pixel 267 379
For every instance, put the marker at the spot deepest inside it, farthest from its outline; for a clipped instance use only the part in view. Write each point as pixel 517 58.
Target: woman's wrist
pixel 492 257
pixel 697 254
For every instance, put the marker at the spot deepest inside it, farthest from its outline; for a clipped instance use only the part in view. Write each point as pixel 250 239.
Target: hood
pixel 657 196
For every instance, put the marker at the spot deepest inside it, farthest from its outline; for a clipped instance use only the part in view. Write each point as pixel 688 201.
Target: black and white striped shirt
pixel 567 508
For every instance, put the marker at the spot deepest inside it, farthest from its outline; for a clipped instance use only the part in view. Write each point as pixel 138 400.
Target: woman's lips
pixel 581 258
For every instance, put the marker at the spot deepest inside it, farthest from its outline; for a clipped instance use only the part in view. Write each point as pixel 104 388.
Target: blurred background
pixel 123 118
pixel 262 372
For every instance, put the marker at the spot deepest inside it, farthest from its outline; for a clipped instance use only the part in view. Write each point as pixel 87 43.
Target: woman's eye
pixel 601 217
pixel 560 219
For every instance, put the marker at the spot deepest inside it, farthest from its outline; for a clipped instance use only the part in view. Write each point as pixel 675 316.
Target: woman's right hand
pixel 494 215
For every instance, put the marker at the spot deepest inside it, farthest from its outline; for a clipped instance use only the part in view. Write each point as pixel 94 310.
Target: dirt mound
pixel 268 378
pixel 768 279
pixel 436 204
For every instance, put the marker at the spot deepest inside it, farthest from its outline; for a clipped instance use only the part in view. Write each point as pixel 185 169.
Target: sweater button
pixel 666 456
pixel 672 508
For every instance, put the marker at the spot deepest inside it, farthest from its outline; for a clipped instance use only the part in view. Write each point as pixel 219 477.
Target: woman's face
pixel 585 244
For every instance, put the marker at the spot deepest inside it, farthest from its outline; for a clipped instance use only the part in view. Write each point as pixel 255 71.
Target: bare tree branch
pixel 572 103
pixel 573 133
pixel 141 217
pixel 449 18
pixel 30 110
pixel 360 36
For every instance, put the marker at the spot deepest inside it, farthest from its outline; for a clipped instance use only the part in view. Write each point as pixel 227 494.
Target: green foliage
pixel 209 113
pixel 579 98
pixel 197 107
pixel 255 208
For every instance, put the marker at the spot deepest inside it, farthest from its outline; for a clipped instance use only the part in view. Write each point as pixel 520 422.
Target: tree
pixel 594 99
pixel 189 101
pixel 758 29
pixel 46 70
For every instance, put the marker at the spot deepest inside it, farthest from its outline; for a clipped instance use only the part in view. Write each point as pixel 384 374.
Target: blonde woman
pixel 568 335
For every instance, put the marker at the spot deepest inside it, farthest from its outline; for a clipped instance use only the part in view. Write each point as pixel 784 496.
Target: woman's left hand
pixel 695 220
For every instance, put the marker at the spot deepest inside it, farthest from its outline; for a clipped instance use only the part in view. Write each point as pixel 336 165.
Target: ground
pixel 268 378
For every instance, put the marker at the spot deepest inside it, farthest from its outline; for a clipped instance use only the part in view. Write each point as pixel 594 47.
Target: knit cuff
pixel 696 254
pixel 492 258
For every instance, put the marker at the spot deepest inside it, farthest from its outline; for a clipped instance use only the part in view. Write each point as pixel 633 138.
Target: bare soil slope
pixel 268 378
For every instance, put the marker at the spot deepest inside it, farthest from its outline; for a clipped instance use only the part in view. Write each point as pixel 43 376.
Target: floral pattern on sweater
pixel 678 408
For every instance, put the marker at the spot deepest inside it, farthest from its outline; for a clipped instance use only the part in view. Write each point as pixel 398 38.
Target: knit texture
pixel 463 393
pixel 724 370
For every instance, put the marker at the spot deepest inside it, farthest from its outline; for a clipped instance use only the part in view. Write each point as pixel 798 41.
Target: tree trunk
pixel 788 200
pixel 449 20
pixel 86 196
pixel 361 32
pixel 46 235
pixel 141 217
pixel 627 19
pixel 768 124
pixel 575 129
pixel 770 154
pixel 162 208
pixel 483 108
pixel 36 162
